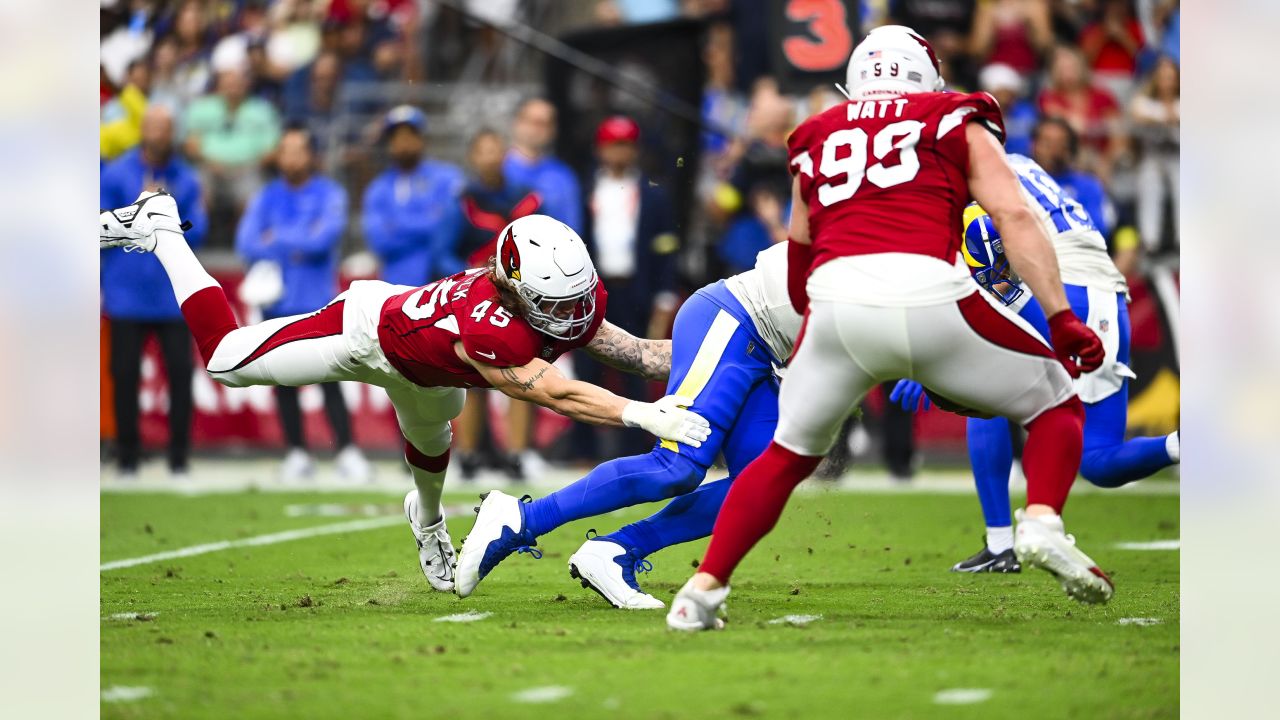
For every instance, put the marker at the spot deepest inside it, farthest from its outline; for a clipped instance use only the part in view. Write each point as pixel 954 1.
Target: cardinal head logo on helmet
pixel 510 257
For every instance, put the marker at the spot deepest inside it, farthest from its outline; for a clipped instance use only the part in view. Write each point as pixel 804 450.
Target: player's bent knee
pixel 682 476
pixel 805 441
pixel 1096 467
pixel 660 475
pixel 431 439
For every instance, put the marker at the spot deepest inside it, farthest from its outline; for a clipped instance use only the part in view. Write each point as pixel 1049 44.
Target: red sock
pixel 423 461
pixel 209 318
pixel 1051 456
pixel 752 507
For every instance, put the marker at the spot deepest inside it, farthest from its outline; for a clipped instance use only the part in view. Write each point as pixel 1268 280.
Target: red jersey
pixel 889 175
pixel 417 330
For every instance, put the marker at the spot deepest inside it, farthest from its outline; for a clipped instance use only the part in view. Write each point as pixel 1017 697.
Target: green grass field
pixel 344 626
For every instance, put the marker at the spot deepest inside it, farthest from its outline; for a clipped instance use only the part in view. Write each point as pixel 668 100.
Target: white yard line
pixel 1139 621
pixel 217 477
pixel 549 693
pixel 465 617
pixel 1151 545
pixel 255 541
pixel 125 693
pixel 962 696
pixel 795 620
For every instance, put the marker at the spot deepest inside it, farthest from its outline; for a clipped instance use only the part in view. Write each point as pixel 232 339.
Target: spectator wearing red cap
pixel 630 227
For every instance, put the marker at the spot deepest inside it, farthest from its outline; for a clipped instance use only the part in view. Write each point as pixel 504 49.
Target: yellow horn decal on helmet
pixel 972 213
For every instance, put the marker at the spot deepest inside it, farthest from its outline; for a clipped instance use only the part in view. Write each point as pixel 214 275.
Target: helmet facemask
pixel 998 273
pixel 563 318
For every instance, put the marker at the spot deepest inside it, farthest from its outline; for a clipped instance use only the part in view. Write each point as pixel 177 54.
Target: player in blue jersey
pixel 1098 296
pixel 728 342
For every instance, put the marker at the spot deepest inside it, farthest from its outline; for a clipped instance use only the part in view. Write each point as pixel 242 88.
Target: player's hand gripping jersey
pixel 889 175
pixel 417 330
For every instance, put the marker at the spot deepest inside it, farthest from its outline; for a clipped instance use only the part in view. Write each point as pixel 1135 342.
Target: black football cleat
pixel 985 561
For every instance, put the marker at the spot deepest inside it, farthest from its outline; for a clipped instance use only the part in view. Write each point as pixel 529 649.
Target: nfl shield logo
pixel 1104 324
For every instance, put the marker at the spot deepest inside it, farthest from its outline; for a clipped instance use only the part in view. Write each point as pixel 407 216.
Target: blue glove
pixel 910 395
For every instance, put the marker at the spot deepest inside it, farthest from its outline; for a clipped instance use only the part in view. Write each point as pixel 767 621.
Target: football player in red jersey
pixel 499 327
pixel 880 185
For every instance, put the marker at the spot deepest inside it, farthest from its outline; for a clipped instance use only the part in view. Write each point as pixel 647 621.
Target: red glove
pixel 1077 347
pixel 799 258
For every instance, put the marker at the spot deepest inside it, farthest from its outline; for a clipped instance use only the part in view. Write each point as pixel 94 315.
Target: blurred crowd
pixel 230 104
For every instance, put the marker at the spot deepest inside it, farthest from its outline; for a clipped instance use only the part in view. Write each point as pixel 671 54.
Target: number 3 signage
pixel 812 41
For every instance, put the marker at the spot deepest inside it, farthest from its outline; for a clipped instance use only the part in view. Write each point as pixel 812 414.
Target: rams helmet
pixel 984 254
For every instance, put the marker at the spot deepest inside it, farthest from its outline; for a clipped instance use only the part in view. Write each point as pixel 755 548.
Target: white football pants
pixel 973 352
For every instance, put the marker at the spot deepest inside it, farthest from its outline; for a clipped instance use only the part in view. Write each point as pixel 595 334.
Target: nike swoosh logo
pixel 491 356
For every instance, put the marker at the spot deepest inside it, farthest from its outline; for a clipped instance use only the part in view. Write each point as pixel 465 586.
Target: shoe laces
pixel 534 552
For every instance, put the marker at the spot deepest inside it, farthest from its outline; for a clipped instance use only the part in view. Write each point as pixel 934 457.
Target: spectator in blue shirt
pixel 487 204
pixel 530 163
pixel 409 210
pixel 137 296
pixel 1055 146
pixel 296 223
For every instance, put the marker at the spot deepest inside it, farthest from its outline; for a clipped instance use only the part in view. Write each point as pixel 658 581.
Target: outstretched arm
pixel 618 348
pixel 541 383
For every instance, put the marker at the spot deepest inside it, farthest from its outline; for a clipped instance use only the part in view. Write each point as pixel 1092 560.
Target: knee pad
pixel 431 439
pixel 683 476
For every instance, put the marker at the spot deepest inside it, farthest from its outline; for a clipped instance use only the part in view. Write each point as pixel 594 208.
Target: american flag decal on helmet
pixel 510 257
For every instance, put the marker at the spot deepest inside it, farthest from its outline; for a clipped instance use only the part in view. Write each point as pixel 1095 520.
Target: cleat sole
pixel 586 584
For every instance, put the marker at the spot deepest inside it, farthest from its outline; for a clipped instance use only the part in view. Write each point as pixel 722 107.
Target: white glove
pixel 668 419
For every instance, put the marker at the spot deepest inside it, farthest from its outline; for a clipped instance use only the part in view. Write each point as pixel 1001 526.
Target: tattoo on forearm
pixel 509 374
pixel 650 358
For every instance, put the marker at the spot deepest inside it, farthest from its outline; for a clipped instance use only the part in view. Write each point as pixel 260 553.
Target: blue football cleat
pixel 610 569
pixel 499 531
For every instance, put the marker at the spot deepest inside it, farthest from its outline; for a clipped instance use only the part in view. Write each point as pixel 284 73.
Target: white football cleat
pixel 610 570
pixel 353 466
pixel 498 532
pixel 133 227
pixel 693 610
pixel 435 547
pixel 1040 542
pixel 298 465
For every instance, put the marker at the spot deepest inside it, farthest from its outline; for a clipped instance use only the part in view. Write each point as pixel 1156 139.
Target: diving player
pixel 1098 296
pixel 728 339
pixel 499 327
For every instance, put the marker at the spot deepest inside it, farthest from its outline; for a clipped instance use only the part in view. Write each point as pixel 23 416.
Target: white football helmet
pixel 892 60
pixel 548 266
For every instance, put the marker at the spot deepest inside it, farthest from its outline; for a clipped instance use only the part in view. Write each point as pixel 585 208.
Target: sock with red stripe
pixel 1051 456
pixel 428 476
pixel 752 508
pixel 203 303
pixel 209 318
pixel 186 274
